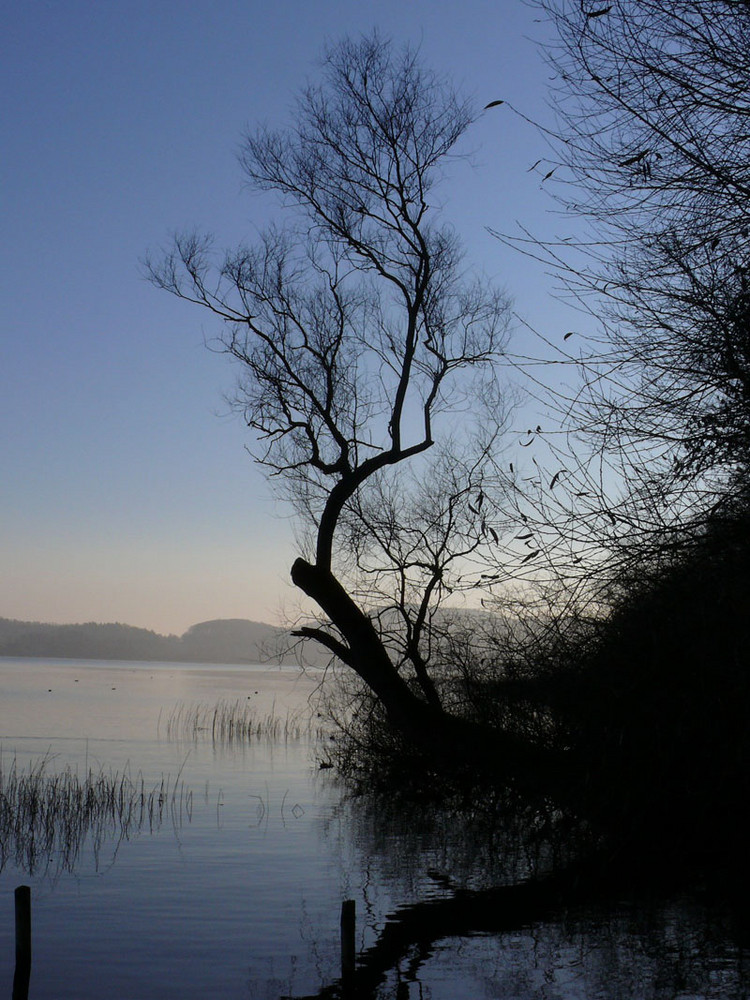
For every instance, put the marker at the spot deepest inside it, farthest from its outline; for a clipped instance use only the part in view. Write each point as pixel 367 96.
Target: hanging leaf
pixel 555 478
pixel 632 160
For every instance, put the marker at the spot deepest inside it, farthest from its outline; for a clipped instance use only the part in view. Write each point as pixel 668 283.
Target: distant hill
pixel 230 640
pixel 237 639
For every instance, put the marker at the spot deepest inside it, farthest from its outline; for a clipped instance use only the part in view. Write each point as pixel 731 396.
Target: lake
pixel 224 873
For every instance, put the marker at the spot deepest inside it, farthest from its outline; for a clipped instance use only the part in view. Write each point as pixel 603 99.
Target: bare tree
pixel 360 339
pixel 651 145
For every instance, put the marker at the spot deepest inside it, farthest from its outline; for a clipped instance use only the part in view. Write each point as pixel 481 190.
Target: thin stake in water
pixel 23 943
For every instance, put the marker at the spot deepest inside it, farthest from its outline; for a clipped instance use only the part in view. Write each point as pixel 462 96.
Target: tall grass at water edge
pixel 48 816
pixel 228 722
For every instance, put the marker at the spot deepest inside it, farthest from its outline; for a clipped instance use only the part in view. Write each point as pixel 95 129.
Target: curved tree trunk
pixel 428 726
pixel 364 652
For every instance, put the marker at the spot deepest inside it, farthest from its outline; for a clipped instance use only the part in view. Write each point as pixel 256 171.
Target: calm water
pixel 232 887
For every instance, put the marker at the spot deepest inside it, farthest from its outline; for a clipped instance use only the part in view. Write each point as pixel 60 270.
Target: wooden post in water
pixel 348 920
pixel 23 943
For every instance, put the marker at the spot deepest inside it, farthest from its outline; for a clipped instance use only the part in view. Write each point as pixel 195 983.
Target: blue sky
pixel 126 491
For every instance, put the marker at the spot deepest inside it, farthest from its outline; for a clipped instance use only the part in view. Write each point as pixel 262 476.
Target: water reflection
pixel 542 942
pixel 242 899
pixel 479 911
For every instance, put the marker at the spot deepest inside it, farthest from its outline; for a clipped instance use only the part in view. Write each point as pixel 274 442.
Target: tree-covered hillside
pixel 221 641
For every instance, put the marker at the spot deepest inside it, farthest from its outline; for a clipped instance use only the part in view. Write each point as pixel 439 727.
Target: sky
pixel 126 492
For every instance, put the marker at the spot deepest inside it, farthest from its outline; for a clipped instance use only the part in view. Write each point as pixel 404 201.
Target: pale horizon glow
pixel 127 492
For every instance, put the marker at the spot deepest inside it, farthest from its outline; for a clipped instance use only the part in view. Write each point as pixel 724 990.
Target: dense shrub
pixel 646 706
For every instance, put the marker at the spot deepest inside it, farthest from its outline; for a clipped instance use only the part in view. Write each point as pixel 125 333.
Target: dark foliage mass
pixel 641 715
pixel 651 703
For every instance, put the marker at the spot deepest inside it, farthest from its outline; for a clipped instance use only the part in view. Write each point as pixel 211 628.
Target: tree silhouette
pixel 359 337
pixel 652 147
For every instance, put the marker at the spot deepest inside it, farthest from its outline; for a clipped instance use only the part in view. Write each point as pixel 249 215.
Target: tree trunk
pixel 429 727
pixel 368 655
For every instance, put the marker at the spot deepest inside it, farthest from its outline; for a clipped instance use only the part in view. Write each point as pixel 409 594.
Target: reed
pixel 47 817
pixel 226 722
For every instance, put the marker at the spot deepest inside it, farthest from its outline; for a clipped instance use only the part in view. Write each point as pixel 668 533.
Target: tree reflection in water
pixel 505 915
